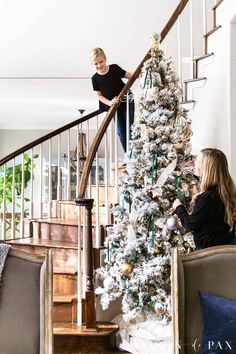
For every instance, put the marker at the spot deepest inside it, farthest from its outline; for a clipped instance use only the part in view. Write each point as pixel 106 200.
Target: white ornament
pixel 172 223
pixel 159 308
pixel 108 283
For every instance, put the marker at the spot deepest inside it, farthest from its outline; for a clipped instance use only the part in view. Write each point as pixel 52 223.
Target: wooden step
pixel 65 308
pixel 64 283
pixel 65 254
pixel 188 104
pixel 196 61
pixel 189 81
pixel 208 34
pixel 70 338
pixel 67 209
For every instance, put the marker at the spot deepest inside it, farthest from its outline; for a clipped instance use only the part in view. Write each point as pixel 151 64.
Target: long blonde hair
pixel 215 173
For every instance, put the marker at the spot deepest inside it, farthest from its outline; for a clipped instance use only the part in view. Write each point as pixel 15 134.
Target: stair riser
pixel 64 284
pixel 74 344
pixel 62 257
pixel 56 232
pixel 69 211
pixel 65 313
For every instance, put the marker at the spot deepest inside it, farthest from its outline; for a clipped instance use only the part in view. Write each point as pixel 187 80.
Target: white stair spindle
pixel 111 150
pixel 13 226
pixel 50 179
pixel 106 183
pixel 116 158
pixel 41 181
pixel 191 39
pixel 4 205
pixel 68 166
pixel 79 277
pixel 179 52
pixel 59 188
pixel 22 196
pixel 127 122
pixel 31 214
pixel 98 235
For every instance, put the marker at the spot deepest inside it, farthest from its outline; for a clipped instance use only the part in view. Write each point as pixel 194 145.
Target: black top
pixel 207 220
pixel 110 84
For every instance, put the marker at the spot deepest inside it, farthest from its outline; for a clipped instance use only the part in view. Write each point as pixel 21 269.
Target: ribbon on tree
pixel 177 185
pixel 123 200
pixel 166 173
pixel 151 219
pixel 154 162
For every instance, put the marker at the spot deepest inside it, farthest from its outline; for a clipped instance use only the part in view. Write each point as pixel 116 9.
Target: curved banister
pixel 48 136
pixel 102 129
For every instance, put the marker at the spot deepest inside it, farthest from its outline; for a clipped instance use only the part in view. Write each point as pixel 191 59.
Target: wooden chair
pixel 211 270
pixel 26 324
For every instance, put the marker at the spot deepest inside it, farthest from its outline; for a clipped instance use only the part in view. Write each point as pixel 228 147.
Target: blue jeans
pixel 122 121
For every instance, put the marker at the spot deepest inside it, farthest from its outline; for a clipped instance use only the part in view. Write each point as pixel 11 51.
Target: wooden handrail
pixel 48 136
pixel 103 127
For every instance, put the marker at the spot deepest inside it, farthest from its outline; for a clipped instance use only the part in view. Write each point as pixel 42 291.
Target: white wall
pixel 233 95
pixel 212 118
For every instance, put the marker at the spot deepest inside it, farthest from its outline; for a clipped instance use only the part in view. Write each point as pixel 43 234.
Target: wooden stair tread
pixel 103 329
pixel 212 31
pixel 58 221
pixel 64 298
pixel 188 101
pixel 37 242
pixel 201 57
pixel 194 79
pixel 65 270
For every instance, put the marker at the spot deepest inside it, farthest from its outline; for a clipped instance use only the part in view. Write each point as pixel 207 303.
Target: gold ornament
pixel 179 147
pixel 164 137
pixel 152 289
pixel 126 268
pixel 155 44
pixel 168 288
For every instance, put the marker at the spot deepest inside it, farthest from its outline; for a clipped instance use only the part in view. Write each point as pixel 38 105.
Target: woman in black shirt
pixel 214 213
pixel 107 83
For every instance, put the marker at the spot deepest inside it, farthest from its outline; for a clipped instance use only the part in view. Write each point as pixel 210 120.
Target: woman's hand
pixel 114 101
pixel 176 203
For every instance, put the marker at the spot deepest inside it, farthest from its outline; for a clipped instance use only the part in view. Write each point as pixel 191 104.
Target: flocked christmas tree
pixel 138 256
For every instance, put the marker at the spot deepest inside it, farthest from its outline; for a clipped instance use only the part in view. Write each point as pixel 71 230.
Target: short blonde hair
pixel 95 52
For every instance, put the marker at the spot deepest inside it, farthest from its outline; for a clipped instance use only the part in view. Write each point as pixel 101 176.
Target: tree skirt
pixel 144 337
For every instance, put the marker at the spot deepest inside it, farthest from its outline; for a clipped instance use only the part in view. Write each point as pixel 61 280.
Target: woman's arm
pixel 200 215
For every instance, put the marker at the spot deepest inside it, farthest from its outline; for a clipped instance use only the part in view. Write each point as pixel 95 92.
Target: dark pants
pixel 122 121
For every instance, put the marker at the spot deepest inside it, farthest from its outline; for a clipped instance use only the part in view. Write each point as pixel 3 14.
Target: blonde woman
pixel 107 83
pixel 214 212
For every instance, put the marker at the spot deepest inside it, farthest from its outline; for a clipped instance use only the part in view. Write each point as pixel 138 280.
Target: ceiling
pixel 44 63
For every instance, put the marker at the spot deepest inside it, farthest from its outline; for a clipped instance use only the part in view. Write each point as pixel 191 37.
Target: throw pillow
pixel 219 324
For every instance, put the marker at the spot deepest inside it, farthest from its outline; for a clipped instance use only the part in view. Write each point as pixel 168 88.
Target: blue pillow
pixel 219 324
